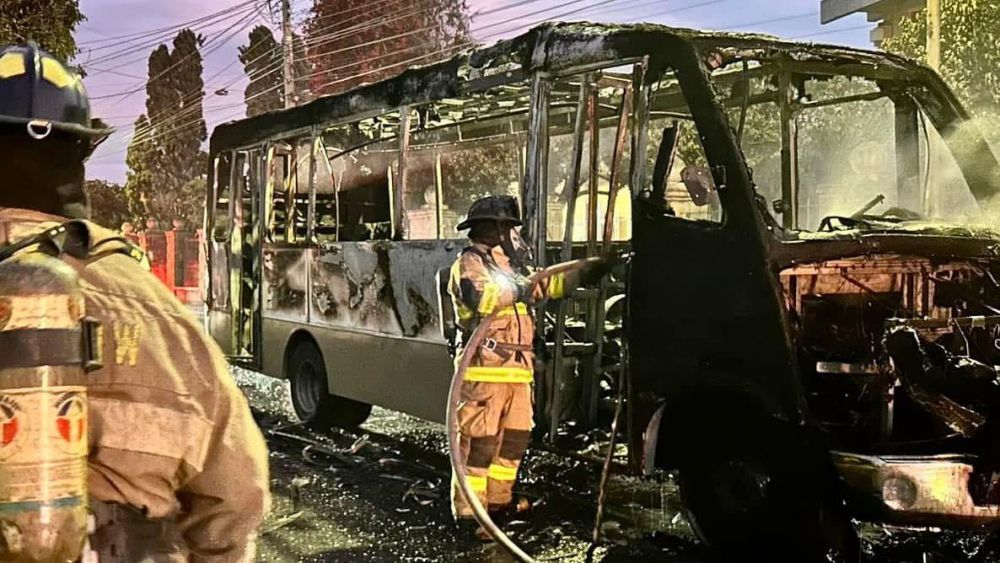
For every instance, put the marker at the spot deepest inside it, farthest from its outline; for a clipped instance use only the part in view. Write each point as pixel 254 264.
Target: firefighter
pixel 495 412
pixel 177 469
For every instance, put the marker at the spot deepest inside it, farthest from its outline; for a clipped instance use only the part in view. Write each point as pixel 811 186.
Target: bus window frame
pixel 524 112
pixel 319 147
pixel 212 210
pixel 638 78
pixel 290 237
pixel 391 180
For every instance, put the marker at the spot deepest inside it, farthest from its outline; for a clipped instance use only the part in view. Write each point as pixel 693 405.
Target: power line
pixel 245 21
pixel 831 32
pixel 140 139
pixel 684 8
pixel 146 135
pixel 276 65
pixel 770 21
pixel 447 50
pixel 455 48
pixel 228 85
pixel 131 36
pixel 257 77
pixel 365 9
pixel 543 10
pixel 187 111
pixel 143 134
pixel 450 48
pixel 133 49
pixel 188 101
pixel 479 13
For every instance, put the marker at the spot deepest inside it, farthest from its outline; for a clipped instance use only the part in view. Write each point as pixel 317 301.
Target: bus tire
pixel 748 498
pixel 311 396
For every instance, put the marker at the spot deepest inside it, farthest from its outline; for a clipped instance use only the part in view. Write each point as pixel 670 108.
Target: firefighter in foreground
pixel 177 469
pixel 495 412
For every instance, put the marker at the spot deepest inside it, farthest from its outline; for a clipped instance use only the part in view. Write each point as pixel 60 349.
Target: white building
pixel 886 13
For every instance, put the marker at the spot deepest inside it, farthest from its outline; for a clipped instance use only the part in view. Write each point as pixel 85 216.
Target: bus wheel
pixel 311 397
pixel 752 499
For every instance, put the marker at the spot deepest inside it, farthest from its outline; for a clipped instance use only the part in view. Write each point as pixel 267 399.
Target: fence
pixel 177 259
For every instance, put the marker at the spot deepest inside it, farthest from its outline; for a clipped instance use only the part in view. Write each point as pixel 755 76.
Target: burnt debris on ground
pixel 380 493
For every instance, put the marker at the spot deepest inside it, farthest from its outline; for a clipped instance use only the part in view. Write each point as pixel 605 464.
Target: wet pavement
pixel 380 493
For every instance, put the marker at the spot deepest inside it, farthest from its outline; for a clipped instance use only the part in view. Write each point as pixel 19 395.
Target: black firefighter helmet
pixel 39 93
pixel 502 208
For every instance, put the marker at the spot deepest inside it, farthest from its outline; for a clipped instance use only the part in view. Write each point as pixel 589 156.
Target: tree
pixel 108 203
pixel 139 177
pixel 186 134
pixel 261 59
pixel 347 47
pixel 165 158
pixel 50 23
pixel 970 60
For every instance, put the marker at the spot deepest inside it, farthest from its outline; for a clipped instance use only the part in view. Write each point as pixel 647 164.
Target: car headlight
pixel 899 492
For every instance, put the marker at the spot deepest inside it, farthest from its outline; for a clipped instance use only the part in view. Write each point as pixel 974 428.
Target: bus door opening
pixel 244 264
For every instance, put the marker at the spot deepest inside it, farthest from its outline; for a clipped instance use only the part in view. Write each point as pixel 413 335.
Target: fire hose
pixel 454 394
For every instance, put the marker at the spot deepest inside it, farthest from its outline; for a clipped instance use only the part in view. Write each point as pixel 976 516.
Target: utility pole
pixel 934 34
pixel 286 47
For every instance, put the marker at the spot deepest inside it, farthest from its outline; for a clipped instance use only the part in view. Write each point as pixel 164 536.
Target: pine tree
pixel 188 133
pixel 50 23
pixel 261 59
pixel 166 163
pixel 139 177
pixel 347 46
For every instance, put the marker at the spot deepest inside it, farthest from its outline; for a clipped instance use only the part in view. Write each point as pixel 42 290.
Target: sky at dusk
pixel 117 68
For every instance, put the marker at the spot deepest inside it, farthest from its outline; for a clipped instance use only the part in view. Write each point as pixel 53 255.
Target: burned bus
pixel 808 327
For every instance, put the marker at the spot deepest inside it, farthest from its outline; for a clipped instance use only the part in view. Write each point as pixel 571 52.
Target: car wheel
pixel 311 398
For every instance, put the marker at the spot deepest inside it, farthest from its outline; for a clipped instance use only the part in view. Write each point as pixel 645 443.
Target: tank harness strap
pixel 55 241
pixel 33 348
pixel 100 247
pixel 504 349
pixel 74 238
pixel 59 347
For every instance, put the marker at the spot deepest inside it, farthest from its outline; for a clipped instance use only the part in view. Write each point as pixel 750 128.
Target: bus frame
pixel 712 373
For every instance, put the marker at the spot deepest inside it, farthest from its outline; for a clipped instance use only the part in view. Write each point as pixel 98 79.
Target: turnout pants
pixel 495 421
pixel 124 535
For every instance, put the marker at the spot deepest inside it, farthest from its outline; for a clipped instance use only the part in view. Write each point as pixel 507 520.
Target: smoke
pixel 968 155
pixel 948 195
pixel 847 160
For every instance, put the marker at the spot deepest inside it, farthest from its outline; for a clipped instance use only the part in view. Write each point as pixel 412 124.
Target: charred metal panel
pixel 706 320
pixel 383 286
pixel 404 374
pixel 535 185
pixel 284 283
pixel 931 242
pixel 218 258
pixel 351 287
pixel 220 328
pixel 413 269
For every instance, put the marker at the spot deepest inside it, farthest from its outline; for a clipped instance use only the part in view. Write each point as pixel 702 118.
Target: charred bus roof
pixel 558 47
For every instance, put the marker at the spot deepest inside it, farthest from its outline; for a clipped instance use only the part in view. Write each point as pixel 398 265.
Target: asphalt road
pixel 381 494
